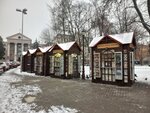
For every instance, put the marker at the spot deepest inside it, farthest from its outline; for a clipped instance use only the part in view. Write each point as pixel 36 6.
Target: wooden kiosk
pixel 40 60
pixel 63 60
pixel 112 59
pixel 28 60
pixel 24 61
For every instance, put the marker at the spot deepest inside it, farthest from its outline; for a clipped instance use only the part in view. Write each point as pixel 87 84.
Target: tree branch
pixel 141 16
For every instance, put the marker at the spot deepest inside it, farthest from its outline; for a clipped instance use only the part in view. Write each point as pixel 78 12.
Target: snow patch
pixel 18 72
pixel 61 109
pixel 11 96
pixel 143 74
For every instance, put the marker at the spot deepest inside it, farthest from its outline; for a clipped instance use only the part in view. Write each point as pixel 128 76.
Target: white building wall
pixel 17 38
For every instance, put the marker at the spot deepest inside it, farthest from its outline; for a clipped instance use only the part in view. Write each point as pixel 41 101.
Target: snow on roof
pixel 66 46
pixel 45 49
pixel 24 53
pixel 31 51
pixel 95 41
pixel 124 38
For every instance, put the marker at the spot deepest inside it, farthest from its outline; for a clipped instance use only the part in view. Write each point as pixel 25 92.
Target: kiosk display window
pixel 73 64
pixel 97 65
pixel 51 64
pixel 35 64
pixel 39 64
pixel 58 64
pixel 118 60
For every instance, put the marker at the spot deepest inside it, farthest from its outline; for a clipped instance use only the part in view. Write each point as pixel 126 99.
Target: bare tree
pixel 101 11
pixel 144 21
pixel 59 16
pixel 148 6
pixel 70 18
pixel 46 36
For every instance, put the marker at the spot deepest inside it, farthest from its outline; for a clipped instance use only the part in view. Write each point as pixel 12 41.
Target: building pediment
pixel 18 36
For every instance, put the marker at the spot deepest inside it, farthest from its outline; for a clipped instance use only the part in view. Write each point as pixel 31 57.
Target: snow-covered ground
pixel 143 74
pixel 11 97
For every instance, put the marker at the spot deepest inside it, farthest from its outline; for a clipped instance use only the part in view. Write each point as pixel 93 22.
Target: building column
pixel 22 47
pixel 8 51
pixel 15 55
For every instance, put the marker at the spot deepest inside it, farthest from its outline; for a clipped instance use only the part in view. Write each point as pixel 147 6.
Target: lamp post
pixel 23 11
pixel 83 71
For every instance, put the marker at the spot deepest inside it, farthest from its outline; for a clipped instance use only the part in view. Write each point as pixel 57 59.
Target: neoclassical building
pixel 16 44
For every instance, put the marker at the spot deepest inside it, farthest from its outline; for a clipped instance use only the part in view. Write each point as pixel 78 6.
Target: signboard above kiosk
pixel 109 45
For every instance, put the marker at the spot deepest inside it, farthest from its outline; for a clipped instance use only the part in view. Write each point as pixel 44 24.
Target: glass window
pixel 118 61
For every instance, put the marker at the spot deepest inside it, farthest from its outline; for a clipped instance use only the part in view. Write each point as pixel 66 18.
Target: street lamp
pixel 83 71
pixel 23 11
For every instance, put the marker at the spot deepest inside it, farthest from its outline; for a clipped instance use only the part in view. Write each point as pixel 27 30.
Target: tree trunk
pixel 148 6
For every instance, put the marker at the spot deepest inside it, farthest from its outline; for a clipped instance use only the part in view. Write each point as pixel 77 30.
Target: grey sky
pixel 37 18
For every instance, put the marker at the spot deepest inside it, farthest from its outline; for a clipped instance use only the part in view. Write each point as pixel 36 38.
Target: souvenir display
pixel 97 65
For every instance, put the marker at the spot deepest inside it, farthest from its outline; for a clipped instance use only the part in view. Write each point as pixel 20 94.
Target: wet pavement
pixel 89 97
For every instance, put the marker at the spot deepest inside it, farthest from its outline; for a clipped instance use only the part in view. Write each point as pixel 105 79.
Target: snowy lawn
pixel 11 97
pixel 143 74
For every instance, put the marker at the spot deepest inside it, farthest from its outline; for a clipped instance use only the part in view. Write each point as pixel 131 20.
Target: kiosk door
pixel 107 66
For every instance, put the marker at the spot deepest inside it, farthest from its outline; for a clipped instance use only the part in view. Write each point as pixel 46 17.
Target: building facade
pixel 16 44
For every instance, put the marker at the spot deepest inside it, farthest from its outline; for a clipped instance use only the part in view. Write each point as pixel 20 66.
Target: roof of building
pixel 18 34
pixel 31 51
pixel 24 53
pixel 123 38
pixel 45 49
pixel 66 46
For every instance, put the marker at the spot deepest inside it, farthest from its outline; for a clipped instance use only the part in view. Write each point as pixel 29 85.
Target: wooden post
pixel 43 62
pixel 65 59
pixel 128 60
pixel 32 63
pixel 122 49
pixel 92 64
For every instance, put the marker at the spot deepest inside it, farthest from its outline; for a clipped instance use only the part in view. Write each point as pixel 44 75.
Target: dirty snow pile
pixel 18 72
pixel 11 96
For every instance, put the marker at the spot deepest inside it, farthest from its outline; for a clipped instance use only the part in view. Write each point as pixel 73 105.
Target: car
pixel 15 64
pixel 1 70
pixel 10 64
pixel 4 66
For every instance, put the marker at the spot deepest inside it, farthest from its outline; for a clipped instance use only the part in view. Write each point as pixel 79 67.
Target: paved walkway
pixel 90 97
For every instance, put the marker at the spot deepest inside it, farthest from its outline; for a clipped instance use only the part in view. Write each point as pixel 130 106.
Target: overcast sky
pixel 35 21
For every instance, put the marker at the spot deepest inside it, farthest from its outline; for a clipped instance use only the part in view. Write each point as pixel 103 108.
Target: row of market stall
pixel 112 59
pixel 59 60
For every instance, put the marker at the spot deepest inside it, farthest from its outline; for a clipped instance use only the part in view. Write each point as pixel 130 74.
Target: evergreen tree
pixel 2 49
pixel 35 44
